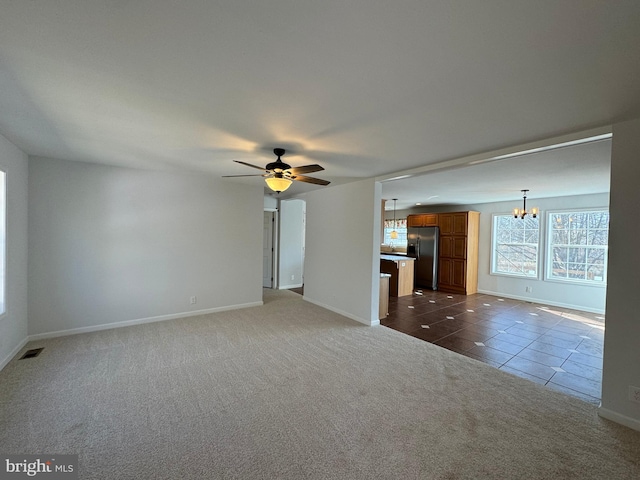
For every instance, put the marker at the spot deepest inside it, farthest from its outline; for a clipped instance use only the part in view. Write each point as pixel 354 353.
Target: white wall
pixel 110 244
pixel 291 241
pixel 622 337
pixel 13 323
pixel 342 261
pixel 270 202
pixel 582 297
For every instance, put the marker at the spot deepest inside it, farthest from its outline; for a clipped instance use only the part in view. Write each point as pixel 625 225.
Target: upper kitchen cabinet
pixel 458 258
pixel 454 223
pixel 423 220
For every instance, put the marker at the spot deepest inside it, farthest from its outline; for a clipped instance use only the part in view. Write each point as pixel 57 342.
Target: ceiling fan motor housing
pixel 278 166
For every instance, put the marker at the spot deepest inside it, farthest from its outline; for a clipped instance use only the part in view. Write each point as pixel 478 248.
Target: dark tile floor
pixel 299 290
pixel 553 346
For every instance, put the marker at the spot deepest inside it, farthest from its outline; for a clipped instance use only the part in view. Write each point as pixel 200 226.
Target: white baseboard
pixel 13 353
pixel 542 301
pixel 619 418
pixel 287 287
pixel 343 313
pixel 139 321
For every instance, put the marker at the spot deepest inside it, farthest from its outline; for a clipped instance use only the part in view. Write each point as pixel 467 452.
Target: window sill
pixel 576 283
pixel 515 275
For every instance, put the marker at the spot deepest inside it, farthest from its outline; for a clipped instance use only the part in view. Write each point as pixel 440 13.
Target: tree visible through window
pixel 515 246
pixel 578 246
pixel 400 227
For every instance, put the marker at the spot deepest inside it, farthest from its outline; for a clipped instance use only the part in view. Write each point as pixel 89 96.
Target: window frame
pixel 549 249
pixel 494 238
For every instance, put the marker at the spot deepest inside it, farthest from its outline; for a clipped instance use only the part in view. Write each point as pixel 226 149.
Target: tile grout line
pixel 486 315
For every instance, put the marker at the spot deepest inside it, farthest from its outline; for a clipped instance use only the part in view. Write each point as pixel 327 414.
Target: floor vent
pixel 31 353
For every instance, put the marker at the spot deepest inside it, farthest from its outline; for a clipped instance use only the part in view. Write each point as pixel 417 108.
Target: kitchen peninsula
pixel 400 268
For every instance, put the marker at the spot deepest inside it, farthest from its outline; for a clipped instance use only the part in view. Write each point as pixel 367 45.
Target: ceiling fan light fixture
pixel 279 175
pixel 278 184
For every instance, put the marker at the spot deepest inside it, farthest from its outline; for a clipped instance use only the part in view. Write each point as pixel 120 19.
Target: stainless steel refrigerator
pixel 422 244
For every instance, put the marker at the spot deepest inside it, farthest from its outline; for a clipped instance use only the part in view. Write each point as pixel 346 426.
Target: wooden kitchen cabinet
pixel 401 271
pixel 423 220
pixel 383 309
pixel 451 273
pixel 453 223
pixel 453 246
pixel 458 256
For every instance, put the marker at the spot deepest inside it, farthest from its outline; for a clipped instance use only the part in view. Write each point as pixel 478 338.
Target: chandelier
pixel 517 212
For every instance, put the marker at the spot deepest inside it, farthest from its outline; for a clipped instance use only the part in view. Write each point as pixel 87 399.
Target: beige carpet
pixel 292 391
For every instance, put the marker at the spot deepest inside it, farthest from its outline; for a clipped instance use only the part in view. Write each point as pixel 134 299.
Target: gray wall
pixel 342 261
pixel 110 244
pixel 291 238
pixel 622 337
pixel 270 203
pixel 584 297
pixel 13 323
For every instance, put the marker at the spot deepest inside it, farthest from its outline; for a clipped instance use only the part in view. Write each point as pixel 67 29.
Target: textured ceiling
pixel 365 87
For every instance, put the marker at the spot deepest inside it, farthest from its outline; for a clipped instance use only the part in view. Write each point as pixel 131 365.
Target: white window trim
pixel 548 263
pixel 492 260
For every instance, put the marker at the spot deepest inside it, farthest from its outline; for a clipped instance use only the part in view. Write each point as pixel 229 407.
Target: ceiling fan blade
pixel 257 175
pixel 305 169
pixel 250 165
pixel 316 181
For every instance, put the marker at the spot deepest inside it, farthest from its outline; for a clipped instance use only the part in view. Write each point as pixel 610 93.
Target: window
pixel 3 243
pixel 515 246
pixel 400 227
pixel 578 246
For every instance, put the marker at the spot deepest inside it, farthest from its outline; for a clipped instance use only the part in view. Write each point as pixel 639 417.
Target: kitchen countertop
pixel 395 258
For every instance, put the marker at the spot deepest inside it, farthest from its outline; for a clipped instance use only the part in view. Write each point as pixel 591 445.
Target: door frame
pixel 274 253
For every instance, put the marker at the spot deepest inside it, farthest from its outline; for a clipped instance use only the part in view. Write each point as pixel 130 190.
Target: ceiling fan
pixel 279 175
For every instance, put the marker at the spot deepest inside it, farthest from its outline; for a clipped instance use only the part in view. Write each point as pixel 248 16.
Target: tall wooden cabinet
pixel 458 256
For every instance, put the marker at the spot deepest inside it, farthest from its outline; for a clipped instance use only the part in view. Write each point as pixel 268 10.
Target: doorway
pixel 267 249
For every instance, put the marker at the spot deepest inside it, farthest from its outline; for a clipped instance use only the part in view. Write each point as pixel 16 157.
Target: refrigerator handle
pixel 417 248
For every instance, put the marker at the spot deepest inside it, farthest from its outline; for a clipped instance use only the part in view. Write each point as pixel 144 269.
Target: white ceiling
pixel 365 87
pixel 573 170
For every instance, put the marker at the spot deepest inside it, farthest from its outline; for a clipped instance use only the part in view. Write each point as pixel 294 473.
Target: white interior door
pixel 267 250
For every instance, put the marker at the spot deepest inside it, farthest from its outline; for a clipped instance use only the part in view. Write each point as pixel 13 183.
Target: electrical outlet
pixel 528 289
pixel 634 394
pixel 293 277
pixel 193 300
